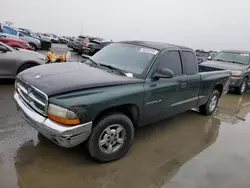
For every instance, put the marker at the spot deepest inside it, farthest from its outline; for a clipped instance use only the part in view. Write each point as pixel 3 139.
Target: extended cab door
pixel 190 69
pixel 163 96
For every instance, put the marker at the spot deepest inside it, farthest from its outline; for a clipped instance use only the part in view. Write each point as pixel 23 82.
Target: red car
pixel 15 42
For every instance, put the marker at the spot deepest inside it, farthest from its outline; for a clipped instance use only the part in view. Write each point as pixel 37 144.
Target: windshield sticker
pixel 129 74
pixel 149 51
pixel 244 54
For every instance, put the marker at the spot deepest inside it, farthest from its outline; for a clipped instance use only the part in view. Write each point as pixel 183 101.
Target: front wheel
pixel 210 106
pixel 33 46
pixel 243 87
pixel 111 138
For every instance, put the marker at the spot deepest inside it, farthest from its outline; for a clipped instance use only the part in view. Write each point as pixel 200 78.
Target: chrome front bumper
pixel 61 135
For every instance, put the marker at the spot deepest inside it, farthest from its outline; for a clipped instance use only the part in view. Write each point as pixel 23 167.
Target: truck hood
pixel 223 65
pixel 60 78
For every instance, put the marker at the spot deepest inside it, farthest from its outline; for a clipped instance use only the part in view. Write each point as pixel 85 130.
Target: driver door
pixel 7 63
pixel 163 97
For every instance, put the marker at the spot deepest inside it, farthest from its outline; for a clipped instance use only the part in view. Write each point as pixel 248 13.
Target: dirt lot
pixel 188 150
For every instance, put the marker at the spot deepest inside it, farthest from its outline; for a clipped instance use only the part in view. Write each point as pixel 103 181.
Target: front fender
pixel 89 103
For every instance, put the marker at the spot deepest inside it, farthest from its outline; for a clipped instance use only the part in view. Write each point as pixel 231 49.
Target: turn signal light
pixel 63 120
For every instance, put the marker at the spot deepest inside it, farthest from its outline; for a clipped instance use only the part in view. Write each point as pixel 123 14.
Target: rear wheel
pixel 111 138
pixel 210 106
pixel 243 87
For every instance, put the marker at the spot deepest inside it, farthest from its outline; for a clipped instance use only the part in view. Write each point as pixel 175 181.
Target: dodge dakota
pixel 123 86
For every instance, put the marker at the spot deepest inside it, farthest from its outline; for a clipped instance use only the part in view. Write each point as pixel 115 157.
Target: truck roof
pixel 237 51
pixel 156 45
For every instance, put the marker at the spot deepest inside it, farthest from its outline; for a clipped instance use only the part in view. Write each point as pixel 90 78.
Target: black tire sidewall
pixel 93 141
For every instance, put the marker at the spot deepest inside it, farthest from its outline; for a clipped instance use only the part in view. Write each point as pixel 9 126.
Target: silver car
pixel 13 61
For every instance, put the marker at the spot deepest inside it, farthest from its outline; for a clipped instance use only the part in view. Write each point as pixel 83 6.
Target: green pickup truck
pixel 124 86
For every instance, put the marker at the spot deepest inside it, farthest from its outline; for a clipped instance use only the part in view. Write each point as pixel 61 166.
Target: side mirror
pixel 209 58
pixel 3 49
pixel 164 73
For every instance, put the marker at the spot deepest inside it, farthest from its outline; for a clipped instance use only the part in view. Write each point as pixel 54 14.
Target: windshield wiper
pixel 219 60
pixel 236 62
pixel 91 61
pixel 113 68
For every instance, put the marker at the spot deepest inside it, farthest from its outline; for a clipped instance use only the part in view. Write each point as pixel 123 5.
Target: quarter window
pixel 190 61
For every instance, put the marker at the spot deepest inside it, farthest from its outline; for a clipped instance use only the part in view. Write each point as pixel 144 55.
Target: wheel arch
pixel 219 88
pixel 25 64
pixel 130 110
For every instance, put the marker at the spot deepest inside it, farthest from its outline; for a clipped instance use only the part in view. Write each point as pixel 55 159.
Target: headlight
pixel 236 73
pixel 62 115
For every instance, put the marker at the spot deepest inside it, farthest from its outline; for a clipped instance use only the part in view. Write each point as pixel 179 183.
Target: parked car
pixel 93 47
pixel 77 44
pixel 82 42
pixel 15 42
pixel 14 60
pixel 201 55
pixel 138 83
pixel 50 37
pixel 45 43
pixel 235 61
pixel 63 40
pixel 9 31
pixel 212 54
pixel 71 42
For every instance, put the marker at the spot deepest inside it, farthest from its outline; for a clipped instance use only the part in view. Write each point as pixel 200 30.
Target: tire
pixel 209 108
pixel 243 87
pixel 24 67
pixel 33 46
pixel 100 153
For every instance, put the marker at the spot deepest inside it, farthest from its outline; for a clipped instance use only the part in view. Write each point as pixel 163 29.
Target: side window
pixel 171 60
pixel 9 30
pixel 190 63
pixel 20 35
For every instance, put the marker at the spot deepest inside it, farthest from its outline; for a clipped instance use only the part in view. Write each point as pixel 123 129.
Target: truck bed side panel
pixel 208 82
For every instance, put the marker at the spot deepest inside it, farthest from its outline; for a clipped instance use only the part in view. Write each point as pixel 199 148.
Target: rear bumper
pixel 61 135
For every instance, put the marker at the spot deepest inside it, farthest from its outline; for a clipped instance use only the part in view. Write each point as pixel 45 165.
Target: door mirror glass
pixel 164 73
pixel 3 49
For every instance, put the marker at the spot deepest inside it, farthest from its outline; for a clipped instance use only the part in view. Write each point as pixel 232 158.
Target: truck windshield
pixel 127 57
pixel 233 57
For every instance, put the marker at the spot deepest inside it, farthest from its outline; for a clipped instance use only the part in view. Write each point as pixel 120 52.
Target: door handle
pixel 183 85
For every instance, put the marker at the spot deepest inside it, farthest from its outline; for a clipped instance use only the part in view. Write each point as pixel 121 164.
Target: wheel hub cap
pixel 112 139
pixel 213 103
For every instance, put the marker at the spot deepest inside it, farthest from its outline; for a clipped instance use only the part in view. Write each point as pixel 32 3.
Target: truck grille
pixel 33 97
pixel 207 69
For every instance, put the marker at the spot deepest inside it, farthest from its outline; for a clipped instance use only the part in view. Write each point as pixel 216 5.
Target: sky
pixel 203 24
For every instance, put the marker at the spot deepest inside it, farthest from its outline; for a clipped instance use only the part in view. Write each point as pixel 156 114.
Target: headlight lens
pixel 62 115
pixel 236 73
